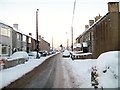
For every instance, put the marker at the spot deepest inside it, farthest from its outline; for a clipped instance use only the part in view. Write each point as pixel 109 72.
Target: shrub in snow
pixel 94 79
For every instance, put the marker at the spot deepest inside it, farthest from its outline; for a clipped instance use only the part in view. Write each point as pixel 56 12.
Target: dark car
pixel 33 55
pixel 43 53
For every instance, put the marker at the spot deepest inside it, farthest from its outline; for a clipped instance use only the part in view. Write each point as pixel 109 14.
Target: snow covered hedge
pixel 107 69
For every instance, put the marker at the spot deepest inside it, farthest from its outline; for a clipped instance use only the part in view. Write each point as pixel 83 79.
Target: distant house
pixel 44 45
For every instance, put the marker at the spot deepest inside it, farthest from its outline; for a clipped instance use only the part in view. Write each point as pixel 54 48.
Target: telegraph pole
pixel 72 38
pixel 72 26
pixel 52 42
pixel 37 45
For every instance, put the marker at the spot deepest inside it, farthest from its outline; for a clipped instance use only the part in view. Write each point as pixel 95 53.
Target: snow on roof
pixel 19 31
pixel 1 21
pixel 113 1
pixel 93 25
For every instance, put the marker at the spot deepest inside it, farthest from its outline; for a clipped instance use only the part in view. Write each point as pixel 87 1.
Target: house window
pixel 5 32
pixel 29 40
pixel 24 38
pixel 4 49
pixel 18 36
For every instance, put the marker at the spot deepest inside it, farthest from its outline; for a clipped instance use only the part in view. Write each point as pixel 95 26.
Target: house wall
pixel 5 40
pixel 104 34
pixel 44 45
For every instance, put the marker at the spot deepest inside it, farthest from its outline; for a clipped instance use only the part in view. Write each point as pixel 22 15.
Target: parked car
pixel 43 53
pixel 19 55
pixel 66 53
pixel 2 63
pixel 33 55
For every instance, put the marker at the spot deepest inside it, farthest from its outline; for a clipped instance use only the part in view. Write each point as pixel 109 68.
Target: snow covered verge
pixel 97 73
pixel 107 69
pixel 11 74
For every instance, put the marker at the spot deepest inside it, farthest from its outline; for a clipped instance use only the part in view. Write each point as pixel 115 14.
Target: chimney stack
pixel 97 17
pixel 86 27
pixel 30 34
pixel 91 22
pixel 113 6
pixel 15 26
pixel 39 36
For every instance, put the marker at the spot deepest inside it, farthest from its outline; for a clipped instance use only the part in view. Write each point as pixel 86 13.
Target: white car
pixel 33 55
pixel 19 57
pixel 66 53
pixel 19 54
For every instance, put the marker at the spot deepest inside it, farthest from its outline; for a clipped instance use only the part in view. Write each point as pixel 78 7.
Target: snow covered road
pixel 53 73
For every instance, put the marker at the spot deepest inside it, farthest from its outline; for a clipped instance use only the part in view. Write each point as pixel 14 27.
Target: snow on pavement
pixel 11 74
pixel 106 61
pixel 81 70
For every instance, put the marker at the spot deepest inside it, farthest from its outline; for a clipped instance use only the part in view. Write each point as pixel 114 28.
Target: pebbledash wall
pixel 104 35
pixel 5 39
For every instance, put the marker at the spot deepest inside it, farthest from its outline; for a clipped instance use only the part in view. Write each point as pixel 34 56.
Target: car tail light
pixel 2 62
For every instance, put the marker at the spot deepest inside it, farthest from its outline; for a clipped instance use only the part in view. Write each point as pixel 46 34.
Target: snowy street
pixel 53 73
pixel 60 44
pixel 62 72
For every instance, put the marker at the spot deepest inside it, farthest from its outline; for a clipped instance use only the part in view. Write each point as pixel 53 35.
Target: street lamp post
pixel 37 45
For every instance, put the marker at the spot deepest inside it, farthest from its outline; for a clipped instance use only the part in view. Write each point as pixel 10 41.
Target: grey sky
pixel 55 16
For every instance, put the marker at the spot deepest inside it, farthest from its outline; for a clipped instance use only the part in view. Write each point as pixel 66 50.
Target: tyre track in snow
pixel 65 77
pixel 71 79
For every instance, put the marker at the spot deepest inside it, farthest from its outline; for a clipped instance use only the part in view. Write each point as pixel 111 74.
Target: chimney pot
pixel 15 26
pixel 86 27
pixel 91 22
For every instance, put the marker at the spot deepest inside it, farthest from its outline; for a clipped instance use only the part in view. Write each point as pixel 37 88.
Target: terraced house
pixel 103 34
pixel 5 39
pixel 12 39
